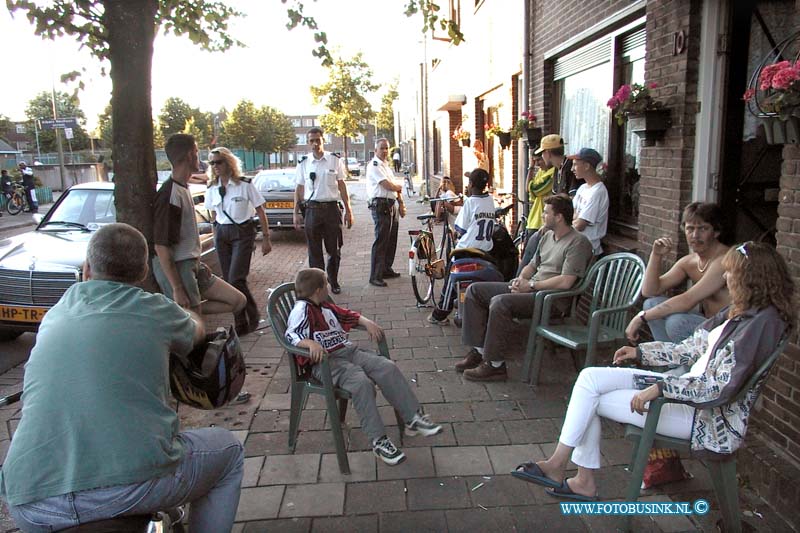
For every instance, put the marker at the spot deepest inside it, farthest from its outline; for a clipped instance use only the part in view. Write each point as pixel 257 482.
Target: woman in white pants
pixel 761 312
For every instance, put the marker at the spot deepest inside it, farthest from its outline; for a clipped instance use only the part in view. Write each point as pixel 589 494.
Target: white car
pixel 37 267
pixel 353 166
pixel 277 186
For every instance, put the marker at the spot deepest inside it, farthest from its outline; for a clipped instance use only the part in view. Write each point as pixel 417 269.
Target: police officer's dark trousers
pixel 234 244
pixel 386 219
pixel 323 223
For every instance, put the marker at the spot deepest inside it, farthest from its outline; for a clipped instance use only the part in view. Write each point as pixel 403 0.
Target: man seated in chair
pixel 560 261
pixel 674 319
pixel 320 326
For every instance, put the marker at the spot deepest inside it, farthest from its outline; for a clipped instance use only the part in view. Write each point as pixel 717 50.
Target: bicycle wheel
pixel 409 187
pixel 422 280
pixel 15 204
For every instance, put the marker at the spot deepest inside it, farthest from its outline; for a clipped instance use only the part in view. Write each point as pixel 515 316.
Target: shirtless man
pixel 674 319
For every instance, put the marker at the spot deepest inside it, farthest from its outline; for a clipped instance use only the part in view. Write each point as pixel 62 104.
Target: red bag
pixel 663 466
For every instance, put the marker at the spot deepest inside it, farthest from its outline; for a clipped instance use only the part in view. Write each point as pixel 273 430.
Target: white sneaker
pixel 422 425
pixel 437 322
pixel 387 451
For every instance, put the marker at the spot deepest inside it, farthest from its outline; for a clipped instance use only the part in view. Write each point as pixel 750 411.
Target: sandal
pixel 564 491
pixel 532 473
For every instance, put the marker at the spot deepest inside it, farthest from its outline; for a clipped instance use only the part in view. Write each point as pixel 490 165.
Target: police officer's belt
pixel 380 201
pixel 313 204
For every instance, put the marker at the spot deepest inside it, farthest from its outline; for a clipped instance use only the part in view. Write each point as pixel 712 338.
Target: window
pixel 301 139
pixel 358 139
pixel 328 138
pixel 296 122
pixel 308 122
pixel 584 81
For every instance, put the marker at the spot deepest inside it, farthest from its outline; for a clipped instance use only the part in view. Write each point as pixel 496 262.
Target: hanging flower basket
pixel 773 94
pixel 534 136
pixel 464 143
pixel 649 125
pixel 505 139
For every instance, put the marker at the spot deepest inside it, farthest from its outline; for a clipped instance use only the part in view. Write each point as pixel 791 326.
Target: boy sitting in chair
pixel 321 326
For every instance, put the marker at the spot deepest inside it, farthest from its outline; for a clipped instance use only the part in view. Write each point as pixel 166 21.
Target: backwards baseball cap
pixel 589 155
pixel 550 142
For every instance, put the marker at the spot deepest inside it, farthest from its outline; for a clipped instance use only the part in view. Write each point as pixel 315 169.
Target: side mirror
pixel 37 217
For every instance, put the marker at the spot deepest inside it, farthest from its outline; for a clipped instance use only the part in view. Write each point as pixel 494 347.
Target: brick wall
pixel 456 164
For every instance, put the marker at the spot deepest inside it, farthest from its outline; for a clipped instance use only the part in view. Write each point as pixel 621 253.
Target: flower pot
pixel 534 136
pixel 505 139
pixel 650 125
pixel 464 143
pixel 780 131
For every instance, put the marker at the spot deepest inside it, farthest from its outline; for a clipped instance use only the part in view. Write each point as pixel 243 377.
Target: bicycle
pixel 16 200
pixel 409 184
pixel 426 262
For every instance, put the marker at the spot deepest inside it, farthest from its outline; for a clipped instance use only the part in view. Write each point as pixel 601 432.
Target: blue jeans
pixel 674 327
pixel 209 477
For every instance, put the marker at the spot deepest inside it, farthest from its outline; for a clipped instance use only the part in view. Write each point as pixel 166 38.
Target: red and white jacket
pixel 326 324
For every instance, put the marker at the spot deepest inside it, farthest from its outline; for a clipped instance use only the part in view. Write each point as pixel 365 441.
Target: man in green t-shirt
pixel 97 436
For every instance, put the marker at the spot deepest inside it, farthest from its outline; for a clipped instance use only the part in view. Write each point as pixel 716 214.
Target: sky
pixel 275 68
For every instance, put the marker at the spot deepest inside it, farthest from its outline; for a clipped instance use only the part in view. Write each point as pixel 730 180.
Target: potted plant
pixel 525 125
pixel 503 136
pixel 461 135
pixel 645 116
pixel 774 96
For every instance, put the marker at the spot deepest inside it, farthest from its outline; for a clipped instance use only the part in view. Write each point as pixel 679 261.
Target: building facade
pixel 699 57
pixel 362 147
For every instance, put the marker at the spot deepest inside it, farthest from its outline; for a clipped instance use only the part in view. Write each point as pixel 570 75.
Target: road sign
pixel 68 133
pixel 51 124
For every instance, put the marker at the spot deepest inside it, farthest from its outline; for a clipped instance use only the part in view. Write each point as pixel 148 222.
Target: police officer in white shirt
pixel 320 186
pixel 385 201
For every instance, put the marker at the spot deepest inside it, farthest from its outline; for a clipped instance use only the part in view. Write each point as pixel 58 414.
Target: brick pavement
pixel 488 428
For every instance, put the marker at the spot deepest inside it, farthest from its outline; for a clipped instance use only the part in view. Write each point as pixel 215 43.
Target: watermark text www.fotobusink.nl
pixel 699 507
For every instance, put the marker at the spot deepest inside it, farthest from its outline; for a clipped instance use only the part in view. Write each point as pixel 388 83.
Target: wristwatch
pixel 642 316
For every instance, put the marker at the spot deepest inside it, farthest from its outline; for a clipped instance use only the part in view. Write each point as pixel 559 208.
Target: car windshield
pixel 85 208
pixel 275 182
pixel 352 161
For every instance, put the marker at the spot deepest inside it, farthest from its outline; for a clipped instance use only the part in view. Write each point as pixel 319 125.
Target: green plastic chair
pixel 279 306
pixel 614 283
pixel 723 472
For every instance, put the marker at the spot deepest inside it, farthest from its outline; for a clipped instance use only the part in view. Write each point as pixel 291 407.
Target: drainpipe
pixel 526 85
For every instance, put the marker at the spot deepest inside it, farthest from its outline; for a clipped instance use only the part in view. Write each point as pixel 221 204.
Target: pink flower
pixel 612 102
pixel 749 94
pixel 767 73
pixel 652 85
pixel 784 78
pixel 623 93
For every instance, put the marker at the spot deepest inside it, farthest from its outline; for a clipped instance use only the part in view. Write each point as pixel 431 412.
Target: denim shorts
pixel 195 275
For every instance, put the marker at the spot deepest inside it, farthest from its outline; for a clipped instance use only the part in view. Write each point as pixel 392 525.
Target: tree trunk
pixel 131 30
pixel 344 142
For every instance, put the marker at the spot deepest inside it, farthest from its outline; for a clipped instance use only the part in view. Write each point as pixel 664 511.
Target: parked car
pixel 37 267
pixel 277 186
pixel 353 166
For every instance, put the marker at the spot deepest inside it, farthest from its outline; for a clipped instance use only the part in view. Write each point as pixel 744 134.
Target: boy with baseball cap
pixel 591 200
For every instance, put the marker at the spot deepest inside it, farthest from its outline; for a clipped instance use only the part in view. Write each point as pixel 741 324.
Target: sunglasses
pixel 742 250
pixel 215 162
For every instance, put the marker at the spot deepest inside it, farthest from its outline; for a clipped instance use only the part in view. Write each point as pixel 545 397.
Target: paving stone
pixel 416 521
pixel 543 408
pixel 439 377
pixel 322 499
pixel 351 524
pixel 616 451
pixel 266 444
pixel 450 412
pixel 497 410
pixel 362 468
pixel 432 352
pixel 668 523
pixel 454 392
pixel 437 493
pixel 504 459
pixel 428 393
pixel 409 342
pixel 375 497
pixel 418 463
pixel 490 520
pixel 317 442
pixel 259 503
pixel 462 461
pixel 416 365
pixel 478 433
pixel 281 525
pixel 538 518
pixel 500 491
pixel 510 390
pixel 530 431
pixel 286 469
pixel 276 401
pixel 252 468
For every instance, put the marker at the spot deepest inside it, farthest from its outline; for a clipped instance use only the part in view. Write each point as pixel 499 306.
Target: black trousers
pixel 387 221
pixel 323 223
pixel 235 250
pixel 30 195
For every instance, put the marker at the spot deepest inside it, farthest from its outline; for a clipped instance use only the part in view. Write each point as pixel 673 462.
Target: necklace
pixel 703 269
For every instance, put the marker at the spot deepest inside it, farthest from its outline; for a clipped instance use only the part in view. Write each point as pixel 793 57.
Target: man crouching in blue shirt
pixel 98 438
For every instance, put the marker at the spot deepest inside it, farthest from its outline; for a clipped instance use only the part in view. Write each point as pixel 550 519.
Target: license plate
pixel 461 297
pixel 22 314
pixel 280 205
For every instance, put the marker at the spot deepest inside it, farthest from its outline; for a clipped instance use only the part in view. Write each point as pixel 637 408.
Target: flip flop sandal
pixel 563 491
pixel 532 473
